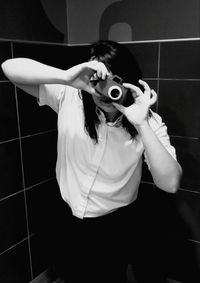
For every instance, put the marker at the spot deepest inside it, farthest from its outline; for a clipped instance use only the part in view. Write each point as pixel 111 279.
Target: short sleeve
pixel 160 129
pixel 51 95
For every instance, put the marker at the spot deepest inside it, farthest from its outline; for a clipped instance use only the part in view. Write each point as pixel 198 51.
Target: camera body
pixel 112 88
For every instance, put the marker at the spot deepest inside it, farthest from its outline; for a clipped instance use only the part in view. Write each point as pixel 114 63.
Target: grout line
pixel 33 42
pixel 174 79
pixel 158 76
pixel 28 188
pixel 12 195
pixel 40 183
pixel 4 81
pixel 162 40
pixel 184 137
pixel 39 133
pixel 28 136
pixel 13 246
pixel 85 44
pixel 10 140
pixel 194 241
pixel 189 191
pixel 23 175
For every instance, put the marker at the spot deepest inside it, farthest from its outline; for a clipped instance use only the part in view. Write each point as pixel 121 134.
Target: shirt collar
pixel 102 118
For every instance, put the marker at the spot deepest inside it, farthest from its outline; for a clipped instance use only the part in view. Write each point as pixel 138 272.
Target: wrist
pixel 143 127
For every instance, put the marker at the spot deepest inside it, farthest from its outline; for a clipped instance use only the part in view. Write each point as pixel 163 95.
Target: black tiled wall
pixel 173 70
pixel 29 195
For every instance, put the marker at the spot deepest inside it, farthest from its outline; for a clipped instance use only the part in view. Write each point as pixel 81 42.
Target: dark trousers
pixel 95 250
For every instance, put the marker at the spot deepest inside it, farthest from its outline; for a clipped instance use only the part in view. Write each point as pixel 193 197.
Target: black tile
pixel 179 106
pixel 58 56
pixel 32 117
pixel 10 168
pixel 8 113
pixel 12 221
pixel 183 261
pixel 41 254
pixel 188 206
pixel 5 51
pixel 147 57
pixel 167 221
pixel 39 157
pixel 40 201
pixel 180 60
pixel 188 154
pixel 15 265
pixel 153 85
pixel 146 174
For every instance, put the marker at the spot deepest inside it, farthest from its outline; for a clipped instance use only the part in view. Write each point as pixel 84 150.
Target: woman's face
pixel 102 101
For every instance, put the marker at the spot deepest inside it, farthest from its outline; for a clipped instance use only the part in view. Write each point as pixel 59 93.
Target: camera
pixel 111 87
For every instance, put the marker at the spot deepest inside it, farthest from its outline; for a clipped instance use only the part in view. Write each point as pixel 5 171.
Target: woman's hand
pixel 80 76
pixel 137 113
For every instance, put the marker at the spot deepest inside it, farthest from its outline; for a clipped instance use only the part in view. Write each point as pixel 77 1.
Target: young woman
pixel 101 145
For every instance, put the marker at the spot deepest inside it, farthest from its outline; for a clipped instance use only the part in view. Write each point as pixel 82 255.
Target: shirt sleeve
pixel 51 95
pixel 160 129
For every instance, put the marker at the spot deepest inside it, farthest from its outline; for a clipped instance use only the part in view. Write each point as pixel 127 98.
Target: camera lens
pixel 115 92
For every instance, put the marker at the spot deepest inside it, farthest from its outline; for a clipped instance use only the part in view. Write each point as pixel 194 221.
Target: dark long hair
pixel 120 61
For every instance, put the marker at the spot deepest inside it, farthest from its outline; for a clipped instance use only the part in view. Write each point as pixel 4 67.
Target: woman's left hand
pixel 137 113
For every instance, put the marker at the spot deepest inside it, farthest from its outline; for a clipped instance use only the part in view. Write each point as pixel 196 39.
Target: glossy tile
pixel 147 57
pixel 180 60
pixel 188 154
pixel 10 168
pixel 33 118
pixel 41 254
pixel 8 112
pixel 183 261
pixel 58 56
pixel 5 51
pixel 179 106
pixel 146 174
pixel 40 201
pixel 15 264
pixel 39 157
pixel 12 221
pixel 187 204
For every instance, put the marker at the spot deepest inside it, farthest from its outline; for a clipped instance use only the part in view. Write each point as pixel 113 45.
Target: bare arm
pixel 165 170
pixel 28 74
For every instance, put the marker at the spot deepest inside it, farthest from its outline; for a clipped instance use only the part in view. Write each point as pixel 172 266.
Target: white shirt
pixel 95 179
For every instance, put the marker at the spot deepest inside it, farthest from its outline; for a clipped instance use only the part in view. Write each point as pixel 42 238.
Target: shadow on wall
pixel 165 251
pixel 129 20
pixel 36 20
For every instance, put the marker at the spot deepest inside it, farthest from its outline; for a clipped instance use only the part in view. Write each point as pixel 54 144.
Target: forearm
pixel 28 71
pixel 165 170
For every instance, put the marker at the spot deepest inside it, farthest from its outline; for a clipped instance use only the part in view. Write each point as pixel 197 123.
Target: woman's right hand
pixel 80 76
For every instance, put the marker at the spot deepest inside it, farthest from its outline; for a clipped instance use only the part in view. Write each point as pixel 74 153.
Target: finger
pixel 92 91
pixel 100 68
pixel 154 97
pixel 119 107
pixel 136 91
pixel 105 72
pixel 145 85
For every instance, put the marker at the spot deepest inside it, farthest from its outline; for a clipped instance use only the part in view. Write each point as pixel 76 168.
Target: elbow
pixel 171 186
pixel 172 182
pixel 5 67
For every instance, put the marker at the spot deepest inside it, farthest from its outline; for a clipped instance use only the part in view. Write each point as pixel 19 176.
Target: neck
pixel 111 117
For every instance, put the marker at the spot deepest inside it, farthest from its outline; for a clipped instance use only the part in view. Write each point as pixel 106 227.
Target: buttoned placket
pixel 88 184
